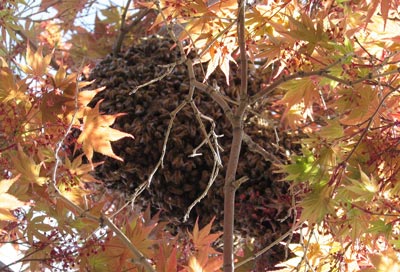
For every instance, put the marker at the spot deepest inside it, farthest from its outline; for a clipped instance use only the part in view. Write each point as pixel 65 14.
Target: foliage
pixel 331 73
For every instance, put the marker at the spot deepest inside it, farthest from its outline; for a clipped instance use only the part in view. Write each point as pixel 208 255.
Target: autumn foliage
pixel 330 72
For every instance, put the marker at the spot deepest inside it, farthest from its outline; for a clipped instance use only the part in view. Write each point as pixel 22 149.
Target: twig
pixel 214 175
pixel 125 28
pixel 237 183
pixel 322 73
pixel 214 150
pixel 25 258
pixel 170 68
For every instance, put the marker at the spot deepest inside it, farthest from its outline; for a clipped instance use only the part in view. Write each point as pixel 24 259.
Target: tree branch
pixel 124 29
pixel 231 186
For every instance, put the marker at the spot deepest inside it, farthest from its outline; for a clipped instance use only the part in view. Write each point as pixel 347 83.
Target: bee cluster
pixel 260 201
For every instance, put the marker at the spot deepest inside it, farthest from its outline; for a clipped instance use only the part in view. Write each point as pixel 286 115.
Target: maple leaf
pixel 364 188
pixel 389 261
pixel 37 64
pixel 97 135
pixel 8 201
pixel 360 106
pixel 9 88
pixel 299 90
pixel 166 257
pixel 139 233
pixel 61 80
pixel 220 56
pixel 67 10
pixel 317 204
pixel 80 171
pixel 195 265
pixel 205 258
pixel 52 106
pixel 26 166
pixel 203 237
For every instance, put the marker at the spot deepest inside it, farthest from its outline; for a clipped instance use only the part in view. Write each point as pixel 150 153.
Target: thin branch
pixel 24 258
pixel 219 35
pixel 214 150
pixel 214 175
pixel 322 73
pixel 4 267
pixel 170 68
pixel 237 183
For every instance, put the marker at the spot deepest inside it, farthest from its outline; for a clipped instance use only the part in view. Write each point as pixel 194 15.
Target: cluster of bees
pixel 261 200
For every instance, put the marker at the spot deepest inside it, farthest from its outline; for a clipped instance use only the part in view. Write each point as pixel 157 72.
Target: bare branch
pixel 170 68
pixel 214 175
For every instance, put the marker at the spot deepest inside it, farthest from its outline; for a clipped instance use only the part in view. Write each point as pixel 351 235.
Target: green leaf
pixel 303 168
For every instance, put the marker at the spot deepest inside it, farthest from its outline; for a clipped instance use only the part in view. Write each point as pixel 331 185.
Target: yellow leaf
pixel 26 166
pixel 203 237
pixel 37 64
pixel 75 194
pixel 81 171
pixel 359 105
pixel 6 215
pixel 9 88
pixel 8 202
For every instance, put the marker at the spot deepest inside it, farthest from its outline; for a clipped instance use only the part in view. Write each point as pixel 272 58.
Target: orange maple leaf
pixel 97 135
pixel 203 238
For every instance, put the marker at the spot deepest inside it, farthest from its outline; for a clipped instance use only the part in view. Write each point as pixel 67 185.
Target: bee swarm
pixel 261 201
